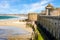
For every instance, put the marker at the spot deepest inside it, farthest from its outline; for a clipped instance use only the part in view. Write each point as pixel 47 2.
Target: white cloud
pixel 4 4
pixel 35 6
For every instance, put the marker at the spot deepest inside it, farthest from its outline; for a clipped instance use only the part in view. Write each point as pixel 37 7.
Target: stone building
pixel 49 8
pixel 32 16
pixel 51 11
pixel 55 12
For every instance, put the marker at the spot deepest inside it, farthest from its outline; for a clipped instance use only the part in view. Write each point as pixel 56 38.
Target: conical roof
pixel 49 5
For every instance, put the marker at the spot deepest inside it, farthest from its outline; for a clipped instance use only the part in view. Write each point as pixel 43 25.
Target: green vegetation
pixel 29 25
pixel 39 35
pixel 42 34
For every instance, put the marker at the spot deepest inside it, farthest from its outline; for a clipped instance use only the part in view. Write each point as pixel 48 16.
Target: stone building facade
pixel 51 11
pixel 32 16
pixel 55 12
pixel 49 8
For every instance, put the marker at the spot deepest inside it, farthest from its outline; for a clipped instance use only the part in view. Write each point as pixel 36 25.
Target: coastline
pixel 15 23
pixel 18 24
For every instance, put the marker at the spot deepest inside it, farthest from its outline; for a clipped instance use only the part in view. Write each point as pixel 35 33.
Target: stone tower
pixel 49 8
pixel 32 16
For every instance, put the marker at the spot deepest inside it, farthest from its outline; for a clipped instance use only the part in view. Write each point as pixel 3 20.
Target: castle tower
pixel 49 7
pixel 32 16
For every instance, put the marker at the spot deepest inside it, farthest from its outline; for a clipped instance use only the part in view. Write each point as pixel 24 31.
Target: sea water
pixel 7 17
pixel 13 17
pixel 6 30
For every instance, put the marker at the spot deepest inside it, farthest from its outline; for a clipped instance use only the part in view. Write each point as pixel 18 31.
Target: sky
pixel 25 6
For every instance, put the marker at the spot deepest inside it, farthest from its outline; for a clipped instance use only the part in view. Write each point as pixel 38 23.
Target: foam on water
pixel 2 18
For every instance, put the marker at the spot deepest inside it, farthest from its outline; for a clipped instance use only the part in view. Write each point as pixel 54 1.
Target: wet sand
pixel 15 23
pixel 19 24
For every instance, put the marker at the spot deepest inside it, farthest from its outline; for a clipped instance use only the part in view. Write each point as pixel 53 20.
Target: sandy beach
pixel 15 23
